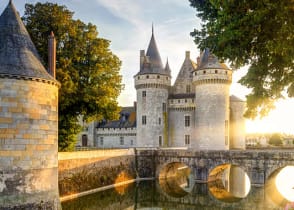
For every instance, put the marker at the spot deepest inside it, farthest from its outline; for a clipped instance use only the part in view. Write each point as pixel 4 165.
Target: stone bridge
pixel 258 164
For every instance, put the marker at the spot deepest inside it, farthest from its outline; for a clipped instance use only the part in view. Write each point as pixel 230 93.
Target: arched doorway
pixel 84 140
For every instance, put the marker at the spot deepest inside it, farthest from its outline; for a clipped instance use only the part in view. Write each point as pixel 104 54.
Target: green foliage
pixel 258 33
pixel 86 68
pixel 276 139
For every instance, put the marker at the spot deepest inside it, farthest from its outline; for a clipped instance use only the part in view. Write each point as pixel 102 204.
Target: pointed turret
pixel 18 55
pixel 153 53
pixel 167 68
pixel 151 62
pixel 209 61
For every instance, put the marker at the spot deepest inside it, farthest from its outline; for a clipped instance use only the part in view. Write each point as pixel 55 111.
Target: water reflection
pixel 150 195
pixel 279 187
pixel 176 180
pixel 229 183
pixel 285 183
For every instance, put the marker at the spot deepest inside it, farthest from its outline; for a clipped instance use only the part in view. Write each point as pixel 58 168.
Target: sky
pixel 127 24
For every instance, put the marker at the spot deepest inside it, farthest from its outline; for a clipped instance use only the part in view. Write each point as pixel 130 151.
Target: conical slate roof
pixel 152 62
pixel 18 55
pixel 167 68
pixel 210 61
pixel 153 53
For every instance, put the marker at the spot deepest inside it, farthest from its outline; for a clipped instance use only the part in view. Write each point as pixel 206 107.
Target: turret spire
pixel 153 53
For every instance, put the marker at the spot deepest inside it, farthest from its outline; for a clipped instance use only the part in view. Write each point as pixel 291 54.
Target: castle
pixel 196 112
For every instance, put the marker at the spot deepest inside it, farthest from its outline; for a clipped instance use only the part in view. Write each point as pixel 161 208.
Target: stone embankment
pixel 84 171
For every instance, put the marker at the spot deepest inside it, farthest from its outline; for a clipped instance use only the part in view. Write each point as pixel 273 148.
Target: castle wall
pixel 178 109
pixel 237 125
pixel 28 144
pixel 116 138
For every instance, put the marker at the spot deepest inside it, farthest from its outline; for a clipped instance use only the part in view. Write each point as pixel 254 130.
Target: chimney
pixel 52 55
pixel 187 54
pixel 142 56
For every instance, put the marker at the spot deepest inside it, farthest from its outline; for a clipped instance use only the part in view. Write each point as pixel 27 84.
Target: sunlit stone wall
pixel 237 124
pixel 87 170
pixel 28 144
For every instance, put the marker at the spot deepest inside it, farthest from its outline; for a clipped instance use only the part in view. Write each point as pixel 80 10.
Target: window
pixel 144 120
pixel 164 107
pixel 159 121
pixel 158 77
pixel 143 93
pixel 188 89
pixel 215 71
pixel 204 72
pixel 226 132
pixel 187 121
pixel 132 142
pixel 160 141
pixel 101 140
pixel 187 139
pixel 147 76
pixel 121 140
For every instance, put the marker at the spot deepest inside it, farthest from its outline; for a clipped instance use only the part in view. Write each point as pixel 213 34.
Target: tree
pixel 258 33
pixel 86 68
pixel 276 139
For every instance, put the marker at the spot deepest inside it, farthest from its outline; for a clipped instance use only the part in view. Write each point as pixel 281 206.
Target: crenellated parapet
pixel 214 76
pixel 152 81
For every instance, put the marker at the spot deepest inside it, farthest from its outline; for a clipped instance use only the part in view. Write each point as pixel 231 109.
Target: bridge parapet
pixel 258 164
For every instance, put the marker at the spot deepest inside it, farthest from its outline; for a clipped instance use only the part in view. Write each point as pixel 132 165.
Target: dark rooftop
pixel 209 61
pixel 18 55
pixel 152 61
pixel 127 119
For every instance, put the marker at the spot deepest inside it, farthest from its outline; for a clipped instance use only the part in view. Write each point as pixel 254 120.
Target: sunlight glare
pixel 285 183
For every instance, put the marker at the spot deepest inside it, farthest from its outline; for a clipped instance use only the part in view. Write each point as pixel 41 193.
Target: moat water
pixel 152 195
pixel 228 188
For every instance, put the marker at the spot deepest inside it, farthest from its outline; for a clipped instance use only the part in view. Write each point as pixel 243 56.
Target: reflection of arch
pixel 175 179
pixel 228 183
pixel 271 186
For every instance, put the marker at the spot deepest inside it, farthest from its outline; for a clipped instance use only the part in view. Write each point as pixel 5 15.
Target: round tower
pixel 28 121
pixel 237 123
pixel 152 83
pixel 212 82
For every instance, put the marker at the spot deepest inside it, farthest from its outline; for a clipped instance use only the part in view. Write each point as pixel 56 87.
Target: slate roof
pixel 18 55
pixel 210 61
pixel 181 95
pixel 152 63
pixel 127 119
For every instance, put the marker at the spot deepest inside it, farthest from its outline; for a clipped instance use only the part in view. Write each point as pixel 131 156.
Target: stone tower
pixel 28 121
pixel 212 83
pixel 152 83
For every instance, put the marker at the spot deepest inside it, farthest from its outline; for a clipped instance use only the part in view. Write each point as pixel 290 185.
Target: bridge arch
pixel 176 179
pixel 280 185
